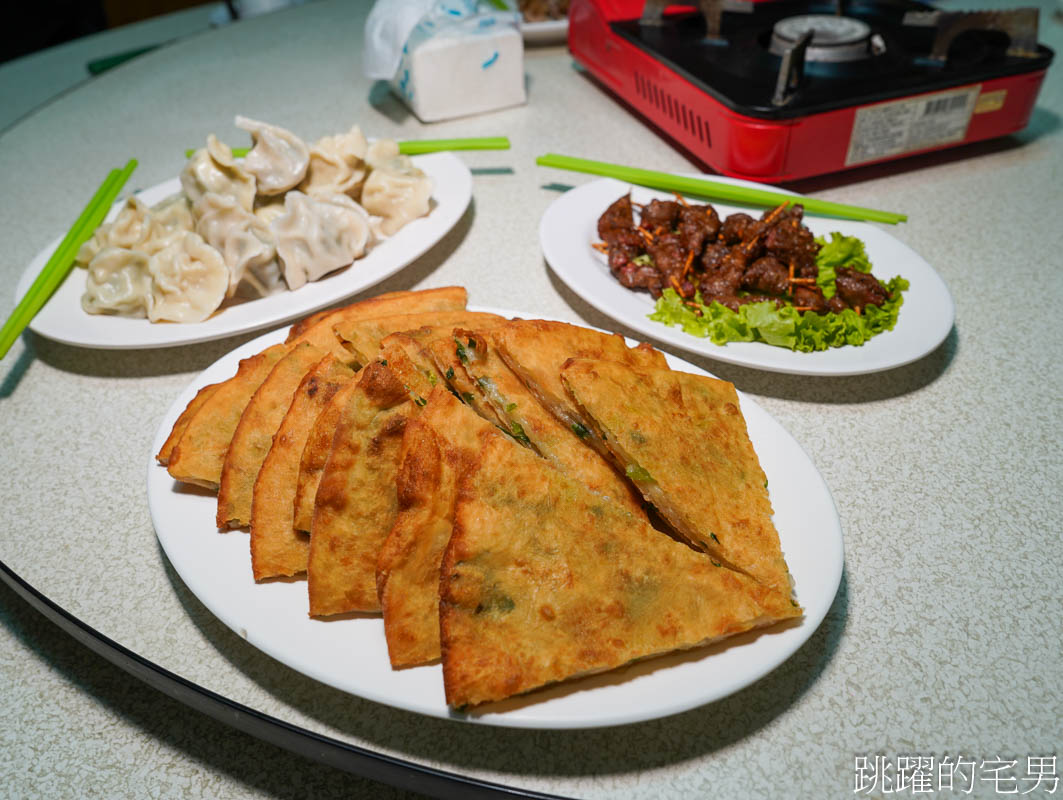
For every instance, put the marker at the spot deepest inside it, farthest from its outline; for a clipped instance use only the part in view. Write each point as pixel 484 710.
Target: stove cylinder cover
pixel 834 39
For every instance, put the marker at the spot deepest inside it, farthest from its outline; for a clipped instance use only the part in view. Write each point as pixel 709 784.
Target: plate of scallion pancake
pixel 508 569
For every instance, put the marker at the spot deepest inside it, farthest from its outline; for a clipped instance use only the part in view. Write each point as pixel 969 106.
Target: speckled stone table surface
pixel 944 637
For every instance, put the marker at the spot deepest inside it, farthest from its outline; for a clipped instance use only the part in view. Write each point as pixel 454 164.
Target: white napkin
pixel 396 26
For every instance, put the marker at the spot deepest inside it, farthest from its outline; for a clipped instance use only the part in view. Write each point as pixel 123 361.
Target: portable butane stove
pixel 781 90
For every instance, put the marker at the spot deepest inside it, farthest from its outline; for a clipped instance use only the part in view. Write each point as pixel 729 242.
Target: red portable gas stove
pixel 776 91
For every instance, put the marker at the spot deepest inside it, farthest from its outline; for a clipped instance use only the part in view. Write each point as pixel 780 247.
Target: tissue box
pixel 457 73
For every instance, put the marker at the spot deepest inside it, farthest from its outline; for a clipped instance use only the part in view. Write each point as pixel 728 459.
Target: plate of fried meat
pixel 771 289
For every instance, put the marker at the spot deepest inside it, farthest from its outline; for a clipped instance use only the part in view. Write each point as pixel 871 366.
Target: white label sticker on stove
pixel 915 123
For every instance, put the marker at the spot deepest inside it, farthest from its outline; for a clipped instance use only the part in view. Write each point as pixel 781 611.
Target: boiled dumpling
pixel 93 245
pixel 279 158
pixel 118 283
pixel 337 164
pixel 137 227
pixel 315 235
pixel 380 152
pixel 131 227
pixel 189 281
pixel 398 192
pixel 213 169
pixel 287 213
pixel 175 213
pixel 245 243
pixel 268 209
pixel 169 220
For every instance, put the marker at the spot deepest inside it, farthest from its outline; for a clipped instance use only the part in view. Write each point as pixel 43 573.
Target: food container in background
pixel 446 58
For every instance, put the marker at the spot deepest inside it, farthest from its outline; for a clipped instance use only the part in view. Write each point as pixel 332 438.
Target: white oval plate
pixel 63 319
pixel 570 225
pixel 350 654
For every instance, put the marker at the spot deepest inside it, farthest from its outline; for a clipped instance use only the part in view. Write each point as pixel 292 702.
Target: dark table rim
pixel 396 772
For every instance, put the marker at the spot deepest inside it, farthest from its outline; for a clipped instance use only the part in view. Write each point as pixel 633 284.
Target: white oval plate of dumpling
pixel 318 227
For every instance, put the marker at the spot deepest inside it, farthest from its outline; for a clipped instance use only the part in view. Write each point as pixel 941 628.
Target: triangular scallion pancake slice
pixel 277 548
pixel 543 581
pixel 536 349
pixel 683 441
pixel 405 357
pixel 197 402
pixel 524 415
pixel 436 447
pixel 318 328
pixel 362 337
pixel 356 499
pixel 254 434
pixel 447 354
pixel 210 420
pixel 199 454
pixel 315 454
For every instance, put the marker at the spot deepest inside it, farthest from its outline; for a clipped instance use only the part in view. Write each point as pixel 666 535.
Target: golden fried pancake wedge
pixel 301 326
pixel 356 499
pixel 319 441
pixel 210 428
pixel 525 416
pixel 408 361
pixel 447 354
pixel 537 349
pixel 318 329
pixel 254 434
pixel 204 394
pixel 683 441
pixel 543 581
pixel 199 454
pixel 277 548
pixel 315 454
pixel 436 448
pixel 362 337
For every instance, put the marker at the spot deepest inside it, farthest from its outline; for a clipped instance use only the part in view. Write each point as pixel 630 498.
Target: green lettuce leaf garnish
pixel 840 251
pixel 784 327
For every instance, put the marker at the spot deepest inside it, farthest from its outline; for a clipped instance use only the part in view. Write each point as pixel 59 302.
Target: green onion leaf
pixel 637 473
pixel 518 433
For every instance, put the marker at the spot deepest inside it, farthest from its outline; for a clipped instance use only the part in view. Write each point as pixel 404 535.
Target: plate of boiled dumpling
pixel 237 244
